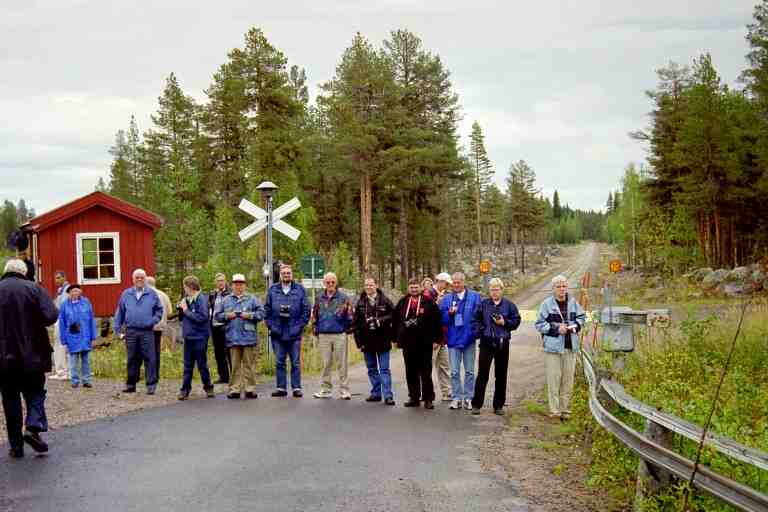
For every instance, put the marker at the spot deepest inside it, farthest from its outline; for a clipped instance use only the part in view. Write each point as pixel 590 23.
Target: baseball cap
pixel 238 278
pixel 444 276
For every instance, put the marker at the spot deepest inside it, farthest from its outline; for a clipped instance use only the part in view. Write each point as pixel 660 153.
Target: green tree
pixel 482 171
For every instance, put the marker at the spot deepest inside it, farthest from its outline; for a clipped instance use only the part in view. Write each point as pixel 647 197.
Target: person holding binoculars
pixel 559 321
pixel 195 326
pixel 240 312
pixel 77 330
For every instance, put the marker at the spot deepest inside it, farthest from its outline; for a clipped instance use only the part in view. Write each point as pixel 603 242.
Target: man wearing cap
pixel 157 331
pixel 240 312
pixel 139 310
pixel 25 356
pixel 440 352
pixel 220 351
pixel 287 313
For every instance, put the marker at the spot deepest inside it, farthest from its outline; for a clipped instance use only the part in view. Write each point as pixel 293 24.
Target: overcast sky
pixel 558 86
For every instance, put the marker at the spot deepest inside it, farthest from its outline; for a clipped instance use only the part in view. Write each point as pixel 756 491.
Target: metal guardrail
pixel 732 492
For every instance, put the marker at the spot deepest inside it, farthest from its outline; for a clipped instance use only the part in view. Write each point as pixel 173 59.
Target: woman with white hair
pixel 559 321
pixel 494 321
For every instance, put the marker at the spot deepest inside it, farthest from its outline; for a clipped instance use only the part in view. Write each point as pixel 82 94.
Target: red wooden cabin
pixel 98 241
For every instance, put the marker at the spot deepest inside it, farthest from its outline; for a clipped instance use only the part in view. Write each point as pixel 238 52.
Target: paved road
pixel 266 454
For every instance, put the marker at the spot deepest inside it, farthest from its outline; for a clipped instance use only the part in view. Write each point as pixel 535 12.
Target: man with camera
pixel 373 336
pixel 559 321
pixel 287 313
pixel 220 351
pixel 493 323
pixel 240 313
pixel 332 314
pixel 139 310
pixel 418 330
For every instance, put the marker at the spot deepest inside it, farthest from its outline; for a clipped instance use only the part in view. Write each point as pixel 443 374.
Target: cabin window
pixel 98 258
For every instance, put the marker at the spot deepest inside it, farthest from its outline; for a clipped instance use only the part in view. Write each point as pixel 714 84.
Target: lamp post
pixel 268 190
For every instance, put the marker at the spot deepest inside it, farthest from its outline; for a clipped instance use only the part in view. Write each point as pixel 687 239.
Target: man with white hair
pixel 559 321
pixel 158 329
pixel 139 310
pixel 332 315
pixel 25 356
pixel 440 350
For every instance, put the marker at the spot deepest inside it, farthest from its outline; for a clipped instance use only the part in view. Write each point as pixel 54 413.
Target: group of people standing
pixel 437 324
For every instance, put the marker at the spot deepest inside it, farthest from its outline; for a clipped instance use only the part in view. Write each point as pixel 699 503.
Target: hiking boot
pixel 428 404
pixel 16 453
pixel 279 393
pixel 209 393
pixel 34 440
pixel 412 403
pixel 455 404
pixel 389 401
pixel 233 396
pixel 250 395
pixel 372 398
pixel 297 393
pixel 183 395
pixel 475 411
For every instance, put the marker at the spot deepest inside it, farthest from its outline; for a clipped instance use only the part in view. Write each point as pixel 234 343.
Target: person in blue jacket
pixel 493 323
pixel 559 322
pixel 77 330
pixel 139 310
pixel 195 328
pixel 240 312
pixel 458 309
pixel 287 313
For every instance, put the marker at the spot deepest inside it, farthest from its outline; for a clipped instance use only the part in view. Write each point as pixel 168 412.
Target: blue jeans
pixel 74 372
pixel 466 356
pixel 379 374
pixel 284 349
pixel 195 353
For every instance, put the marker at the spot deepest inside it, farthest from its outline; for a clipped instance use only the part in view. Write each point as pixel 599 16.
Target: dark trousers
pixel 158 339
pixel 140 346
pixel 221 352
pixel 196 353
pixel 32 388
pixel 500 358
pixel 418 371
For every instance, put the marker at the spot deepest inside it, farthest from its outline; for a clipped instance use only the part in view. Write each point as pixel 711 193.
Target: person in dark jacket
pixel 195 327
pixel 25 356
pixel 77 330
pixel 373 336
pixel 493 323
pixel 286 313
pixel 418 328
pixel 139 310
pixel 218 334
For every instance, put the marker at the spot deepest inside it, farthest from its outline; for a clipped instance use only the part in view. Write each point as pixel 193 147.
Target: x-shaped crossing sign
pixel 277 214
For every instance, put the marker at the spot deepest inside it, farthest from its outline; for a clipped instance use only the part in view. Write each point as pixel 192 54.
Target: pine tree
pixel 101 186
pixel 481 169
pixel 557 210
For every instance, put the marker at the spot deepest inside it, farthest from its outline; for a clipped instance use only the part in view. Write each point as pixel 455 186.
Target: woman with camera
pixel 559 321
pixel 493 323
pixel 77 330
pixel 373 335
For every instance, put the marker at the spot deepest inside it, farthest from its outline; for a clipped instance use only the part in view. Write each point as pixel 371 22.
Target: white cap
pixel 238 278
pixel 444 276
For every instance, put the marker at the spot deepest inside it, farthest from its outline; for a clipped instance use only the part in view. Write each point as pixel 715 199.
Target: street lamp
pixel 268 190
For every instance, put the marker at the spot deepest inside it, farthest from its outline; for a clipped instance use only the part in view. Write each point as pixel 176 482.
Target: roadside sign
pixel 313 266
pixel 277 222
pixel 485 266
pixel 312 284
pixel 615 266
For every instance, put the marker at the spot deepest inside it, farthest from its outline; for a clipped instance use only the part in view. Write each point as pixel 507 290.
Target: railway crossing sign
pixel 615 266
pixel 261 219
pixel 485 266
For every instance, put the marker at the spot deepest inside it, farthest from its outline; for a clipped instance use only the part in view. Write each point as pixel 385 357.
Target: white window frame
pixel 115 236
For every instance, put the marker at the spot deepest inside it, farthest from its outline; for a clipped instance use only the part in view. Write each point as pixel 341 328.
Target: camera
pixel 496 316
pixel 373 324
pixel 74 328
pixel 238 314
pixel 410 323
pixel 572 327
pixel 285 311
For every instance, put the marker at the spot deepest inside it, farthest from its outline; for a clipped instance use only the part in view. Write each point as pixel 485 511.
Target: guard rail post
pixel 651 479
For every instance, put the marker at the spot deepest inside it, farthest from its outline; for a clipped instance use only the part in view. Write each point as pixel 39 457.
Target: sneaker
pixel 389 401
pixel 468 404
pixel 16 453
pixel 250 395
pixel 322 394
pixel 372 398
pixel 498 412
pixel 455 404
pixel 412 403
pixel 183 395
pixel 475 411
pixel 87 385
pixel 345 395
pixel 233 396
pixel 428 404
pixel 297 393
pixel 279 393
pixel 34 440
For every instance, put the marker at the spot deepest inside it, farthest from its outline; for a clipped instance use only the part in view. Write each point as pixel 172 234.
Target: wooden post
pixel 651 480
